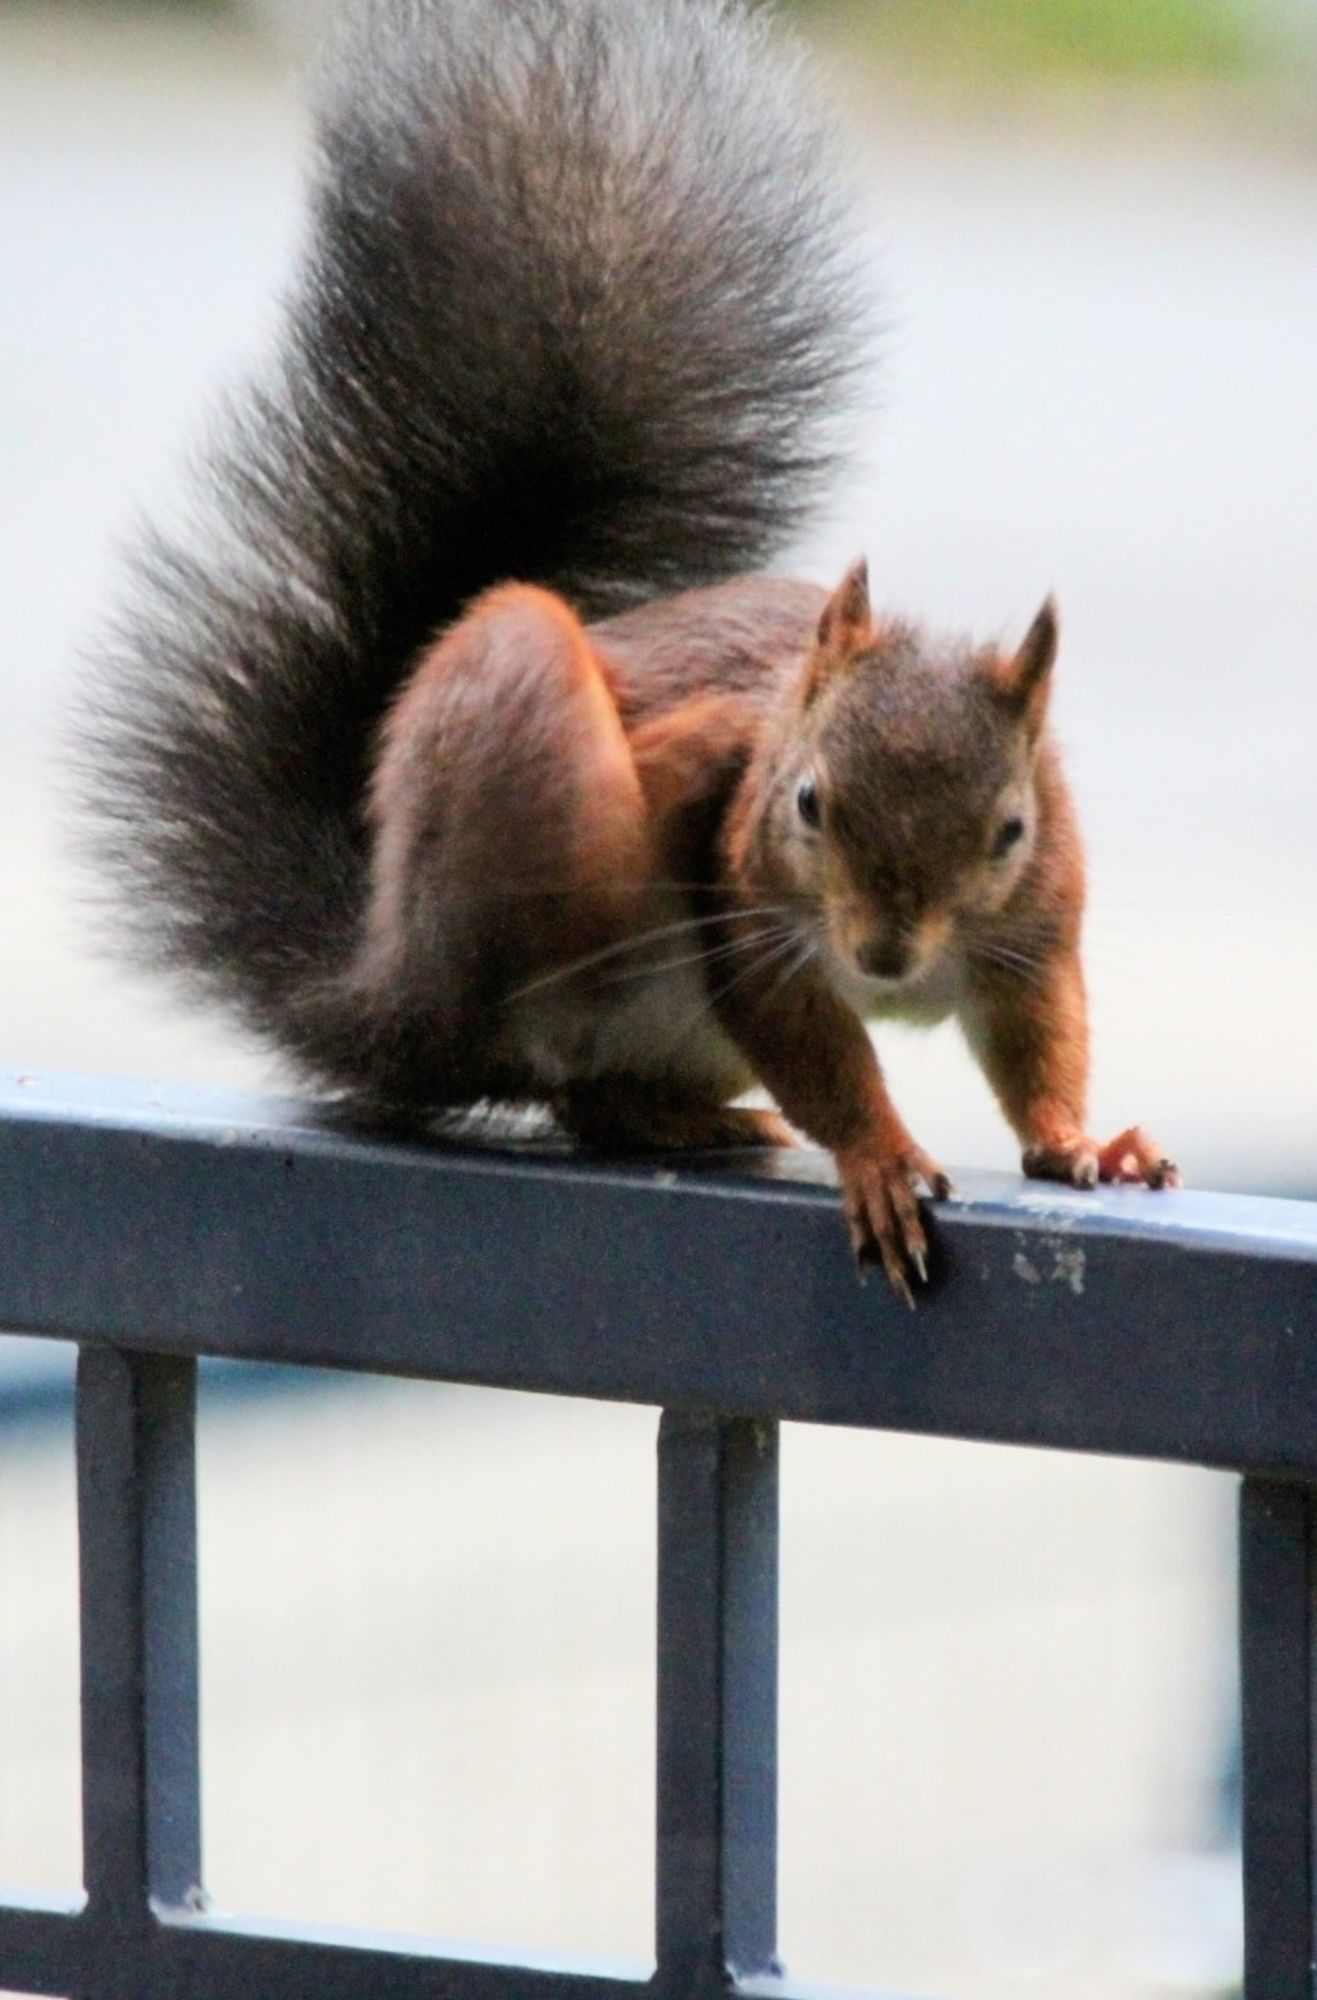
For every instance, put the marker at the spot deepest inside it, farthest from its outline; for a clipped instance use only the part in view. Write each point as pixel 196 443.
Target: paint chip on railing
pixel 1068 1266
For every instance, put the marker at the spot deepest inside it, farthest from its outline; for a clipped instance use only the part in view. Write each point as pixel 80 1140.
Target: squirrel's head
pixel 903 803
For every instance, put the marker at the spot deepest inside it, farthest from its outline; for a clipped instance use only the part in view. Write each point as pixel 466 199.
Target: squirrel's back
pixel 574 309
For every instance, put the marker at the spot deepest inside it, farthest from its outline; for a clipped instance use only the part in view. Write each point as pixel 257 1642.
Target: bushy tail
pixel 574 309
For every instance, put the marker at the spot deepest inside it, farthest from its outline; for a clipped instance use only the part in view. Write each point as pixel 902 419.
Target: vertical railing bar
pixel 168 1411
pixel 750 1697
pixel 717 1703
pixel 1277 1614
pixel 137 1568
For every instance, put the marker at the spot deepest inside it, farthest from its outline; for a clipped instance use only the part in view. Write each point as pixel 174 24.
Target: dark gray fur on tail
pixel 573 309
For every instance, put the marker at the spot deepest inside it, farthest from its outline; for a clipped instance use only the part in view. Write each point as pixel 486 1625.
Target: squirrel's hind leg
pixel 624 1114
pixel 509 831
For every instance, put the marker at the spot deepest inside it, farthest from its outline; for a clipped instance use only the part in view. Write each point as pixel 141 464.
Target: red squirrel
pixel 455 747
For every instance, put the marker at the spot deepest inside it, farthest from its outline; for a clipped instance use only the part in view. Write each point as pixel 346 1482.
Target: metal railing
pixel 154 1230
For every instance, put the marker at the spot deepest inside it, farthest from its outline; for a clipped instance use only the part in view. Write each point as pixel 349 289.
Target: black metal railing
pixel 154 1229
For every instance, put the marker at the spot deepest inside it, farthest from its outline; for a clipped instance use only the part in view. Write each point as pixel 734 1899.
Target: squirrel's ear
pixel 1025 679
pixel 845 620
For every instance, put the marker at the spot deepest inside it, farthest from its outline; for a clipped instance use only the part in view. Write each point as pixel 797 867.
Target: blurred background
pixel 1008 1706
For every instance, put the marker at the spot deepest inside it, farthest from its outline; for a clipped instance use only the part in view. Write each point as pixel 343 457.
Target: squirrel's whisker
pixel 808 951
pixel 1029 971
pixel 640 941
pixel 733 949
pixel 767 955
pixel 567 887
pixel 770 956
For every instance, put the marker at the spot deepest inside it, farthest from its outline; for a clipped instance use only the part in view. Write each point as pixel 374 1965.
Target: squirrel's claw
pixel 868 1256
pixel 1074 1161
pixel 885 1223
pixel 1134 1155
pixel 901 1286
pixel 938 1182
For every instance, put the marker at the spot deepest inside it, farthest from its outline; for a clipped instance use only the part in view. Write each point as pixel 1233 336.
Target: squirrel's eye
pixel 807 803
pixel 1011 832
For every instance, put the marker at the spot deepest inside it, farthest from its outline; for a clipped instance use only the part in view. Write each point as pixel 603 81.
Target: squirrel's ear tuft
pixel 845 621
pixel 844 626
pixel 1026 678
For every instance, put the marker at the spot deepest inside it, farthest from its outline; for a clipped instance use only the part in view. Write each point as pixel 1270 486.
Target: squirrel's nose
pixel 887 958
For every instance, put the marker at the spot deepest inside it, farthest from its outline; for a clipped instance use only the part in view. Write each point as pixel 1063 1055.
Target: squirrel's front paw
pixel 878 1189
pixel 1132 1156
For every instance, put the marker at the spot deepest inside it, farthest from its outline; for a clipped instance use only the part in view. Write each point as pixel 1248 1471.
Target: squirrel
pixel 463 747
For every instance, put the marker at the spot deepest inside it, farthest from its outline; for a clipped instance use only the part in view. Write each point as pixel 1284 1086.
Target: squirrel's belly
pixel 659 1026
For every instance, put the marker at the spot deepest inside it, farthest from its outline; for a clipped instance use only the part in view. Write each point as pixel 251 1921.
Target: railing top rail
pixel 1176 1326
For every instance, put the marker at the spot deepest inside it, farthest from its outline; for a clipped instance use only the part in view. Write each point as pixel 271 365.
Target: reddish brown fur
pixel 559 810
